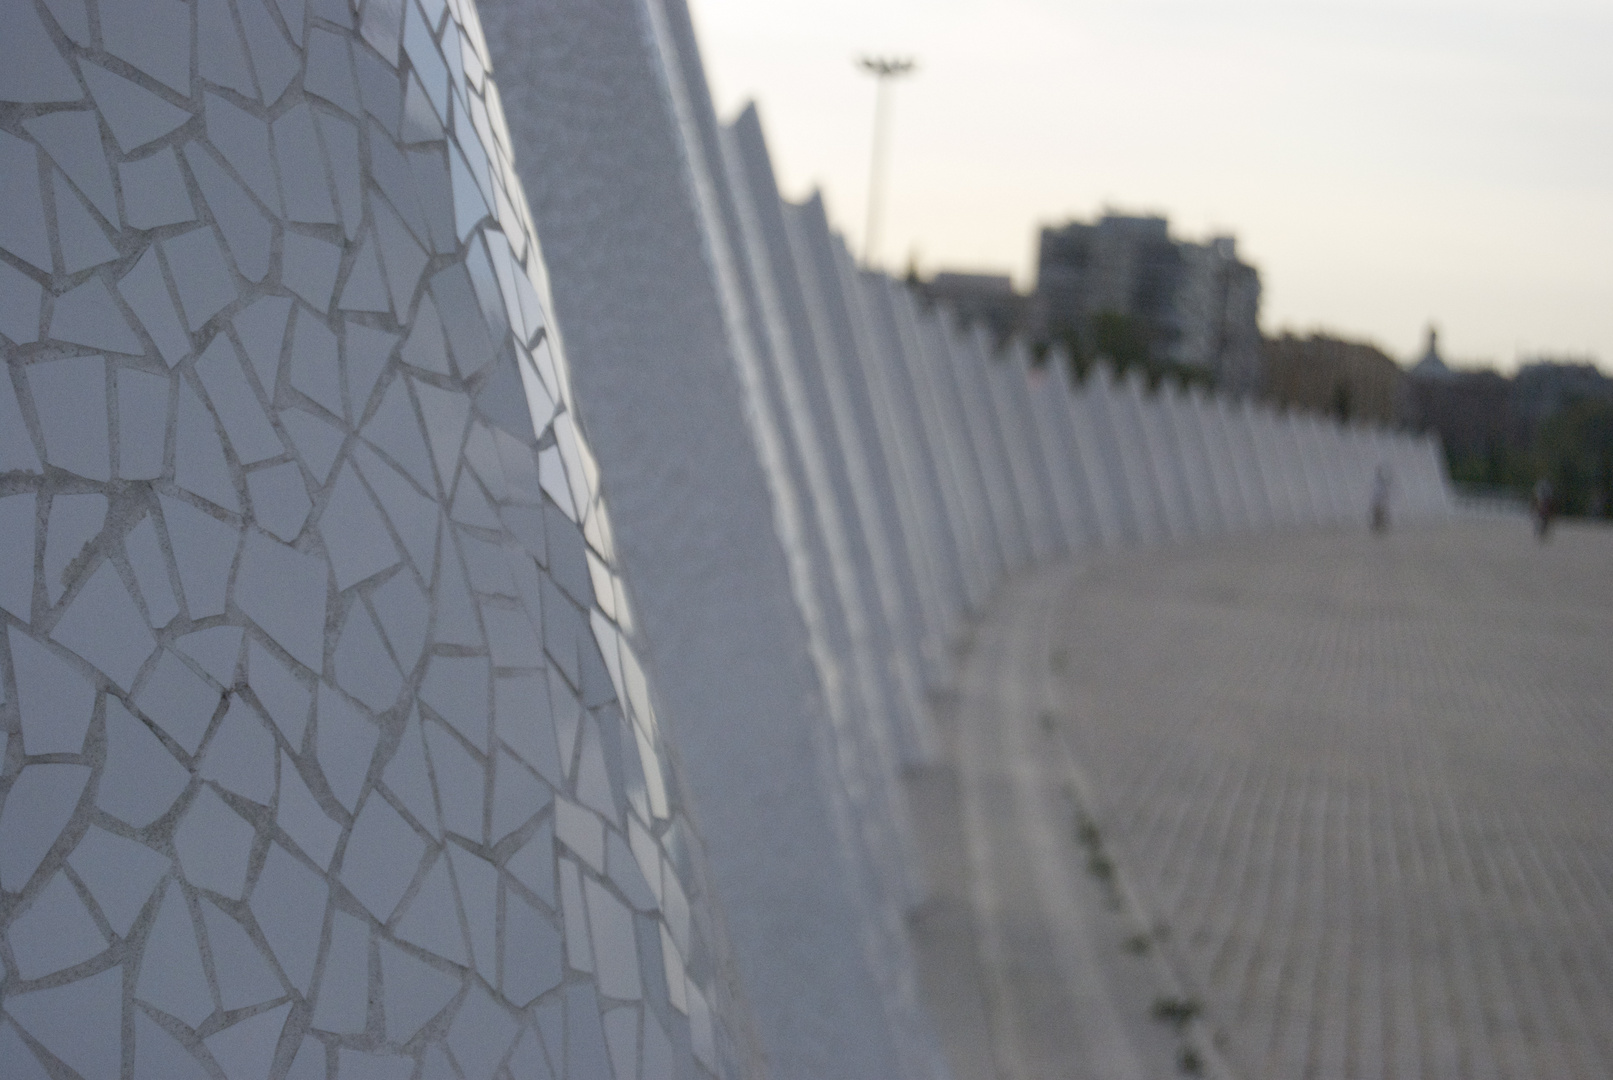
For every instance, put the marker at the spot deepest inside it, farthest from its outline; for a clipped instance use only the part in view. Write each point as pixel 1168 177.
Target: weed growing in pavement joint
pixel 1086 833
pixel 1177 1012
pixel 1099 865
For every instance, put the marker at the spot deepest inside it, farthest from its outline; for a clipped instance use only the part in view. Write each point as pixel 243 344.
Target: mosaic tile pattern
pixel 327 751
pixel 784 757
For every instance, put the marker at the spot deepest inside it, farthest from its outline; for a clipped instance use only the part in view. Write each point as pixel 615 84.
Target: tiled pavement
pixel 1360 788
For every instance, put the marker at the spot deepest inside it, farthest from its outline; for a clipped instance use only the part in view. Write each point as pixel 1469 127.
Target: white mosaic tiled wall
pixel 765 643
pixel 327 754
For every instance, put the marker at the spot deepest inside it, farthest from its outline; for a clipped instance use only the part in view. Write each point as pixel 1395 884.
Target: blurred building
pixel 1196 306
pixel 1471 411
pixel 1543 388
pixel 1351 380
pixel 1552 417
pixel 980 298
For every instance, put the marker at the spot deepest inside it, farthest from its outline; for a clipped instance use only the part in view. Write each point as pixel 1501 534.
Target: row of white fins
pixel 814 480
pixel 921 461
pixel 997 462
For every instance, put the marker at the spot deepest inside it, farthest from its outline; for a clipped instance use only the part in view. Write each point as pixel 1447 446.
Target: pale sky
pixel 1383 164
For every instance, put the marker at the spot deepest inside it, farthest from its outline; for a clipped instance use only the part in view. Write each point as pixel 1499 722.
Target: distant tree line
pixel 1125 342
pixel 1571 449
pixel 1551 421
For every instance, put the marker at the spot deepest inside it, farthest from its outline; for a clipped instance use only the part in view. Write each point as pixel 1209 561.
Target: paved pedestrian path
pixel 1352 797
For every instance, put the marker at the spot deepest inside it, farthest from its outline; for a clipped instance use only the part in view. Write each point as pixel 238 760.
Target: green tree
pixel 1123 339
pixel 1574 450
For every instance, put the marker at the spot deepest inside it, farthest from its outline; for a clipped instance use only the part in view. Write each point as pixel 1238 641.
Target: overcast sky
pixel 1383 164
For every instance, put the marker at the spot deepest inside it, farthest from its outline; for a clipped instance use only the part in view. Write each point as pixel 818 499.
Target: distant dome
pixel 1432 365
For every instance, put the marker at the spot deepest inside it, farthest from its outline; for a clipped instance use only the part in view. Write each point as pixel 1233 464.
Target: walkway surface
pixel 1348 799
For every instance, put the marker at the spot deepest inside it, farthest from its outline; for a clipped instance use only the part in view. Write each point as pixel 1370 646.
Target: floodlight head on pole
pixel 883 69
pixel 886 66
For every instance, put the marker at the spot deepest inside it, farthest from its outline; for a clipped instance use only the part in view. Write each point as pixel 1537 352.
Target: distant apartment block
pixel 1194 306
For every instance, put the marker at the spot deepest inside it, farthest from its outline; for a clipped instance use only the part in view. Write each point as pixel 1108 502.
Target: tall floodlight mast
pixel 883 69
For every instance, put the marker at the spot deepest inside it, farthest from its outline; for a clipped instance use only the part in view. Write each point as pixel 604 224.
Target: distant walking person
pixel 1543 505
pixel 1381 484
